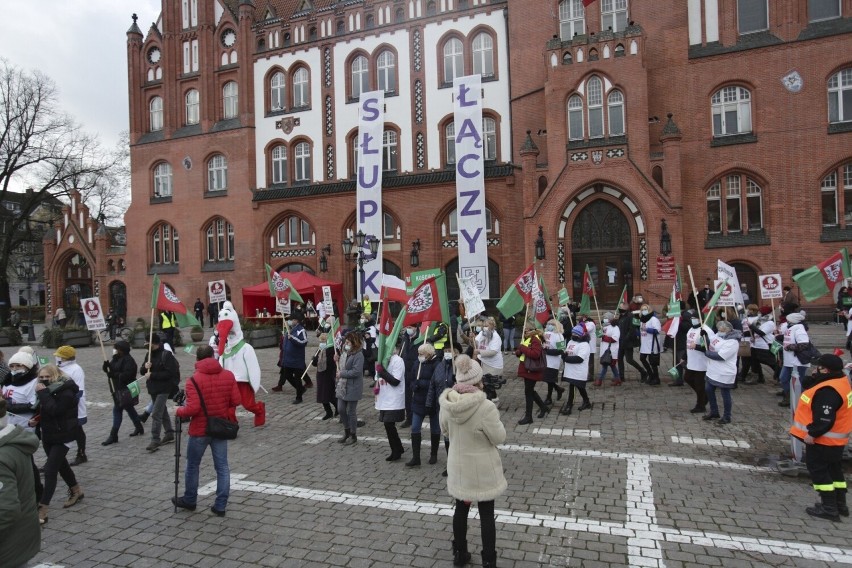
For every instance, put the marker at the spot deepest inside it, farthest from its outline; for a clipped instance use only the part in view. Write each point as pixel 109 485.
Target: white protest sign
pixel 327 300
pixel 93 313
pixel 473 304
pixel 282 306
pixel 770 286
pixel 216 291
pixel 727 297
pixel 728 271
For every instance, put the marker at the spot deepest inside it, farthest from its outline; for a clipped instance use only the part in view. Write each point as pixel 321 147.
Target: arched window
pixel 840 96
pixel 370 21
pixel 386 71
pixel 229 100
pixel 453 222
pixel 731 108
pixel 453 59
pixel 340 28
pixel 729 207
pixel 163 180
pixel 164 245
pixel 156 113
pixel 572 19
pixel 303 162
pixel 360 76
pixel 390 151
pixel 483 55
pixel 217 173
pixel 399 16
pixel 594 100
pixel 219 241
pixel 276 91
pixel 389 226
pixel 279 164
pixel 294 231
pixel 450 137
pixel 431 8
pixel 837 201
pixel 489 138
pixel 567 58
pixel 615 109
pixel 301 96
pixel 614 15
pixel 192 107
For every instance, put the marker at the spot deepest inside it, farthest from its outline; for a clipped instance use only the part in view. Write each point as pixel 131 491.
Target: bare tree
pixel 107 193
pixel 42 151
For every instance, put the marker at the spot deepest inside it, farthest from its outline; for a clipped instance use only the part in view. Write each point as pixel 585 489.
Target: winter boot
pixel 353 439
pixel 416 439
pixel 346 434
pixel 460 554
pixel 74 494
pixel 489 559
pixel 112 439
pixel 80 459
pixel 42 514
pixel 559 392
pixel 527 419
pixel 586 404
pixel 139 429
pixel 436 443
pixel 260 417
pixel 566 410
pixel 144 416
pixel 328 413
pixel 827 509
pixel 842 507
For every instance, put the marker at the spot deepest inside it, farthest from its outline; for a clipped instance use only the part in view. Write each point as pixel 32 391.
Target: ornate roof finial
pixel 671 128
pixel 529 147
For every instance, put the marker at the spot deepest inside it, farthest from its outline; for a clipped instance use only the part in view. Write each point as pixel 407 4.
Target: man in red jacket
pixel 218 388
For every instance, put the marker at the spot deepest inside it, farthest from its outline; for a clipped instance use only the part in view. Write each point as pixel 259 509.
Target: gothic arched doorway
pixel 118 298
pixel 600 238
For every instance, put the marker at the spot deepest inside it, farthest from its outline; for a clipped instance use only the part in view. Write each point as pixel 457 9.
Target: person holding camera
pixel 218 388
pixel 162 374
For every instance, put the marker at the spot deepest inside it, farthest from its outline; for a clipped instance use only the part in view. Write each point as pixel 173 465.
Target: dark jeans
pixel 293 376
pixel 486 521
pixel 117 415
pixel 727 400
pixel 56 464
pixel 531 396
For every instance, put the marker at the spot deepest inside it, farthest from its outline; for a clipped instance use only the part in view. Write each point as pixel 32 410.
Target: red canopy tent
pixel 307 285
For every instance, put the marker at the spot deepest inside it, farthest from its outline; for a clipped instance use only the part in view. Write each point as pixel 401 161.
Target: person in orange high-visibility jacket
pixel 823 421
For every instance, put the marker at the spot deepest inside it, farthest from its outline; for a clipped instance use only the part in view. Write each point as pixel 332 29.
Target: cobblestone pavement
pixel 636 481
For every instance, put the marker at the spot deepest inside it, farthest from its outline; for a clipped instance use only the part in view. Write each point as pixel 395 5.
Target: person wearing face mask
pixel 350 386
pixel 369 332
pixel 628 341
pixel 508 333
pixel 531 347
pixel 444 378
pixel 326 372
pixel 576 372
pixel 427 361
pixel 162 379
pixel 609 344
pixel 66 360
pixel 720 348
pixel 823 421
pixel 649 344
pixel 554 345
pixel 763 331
pixel 408 352
pixel 591 331
pixel 19 390
pixel 696 362
pixel 747 361
pixel 487 348
pixel 795 338
pixel 120 372
pixel 704 296
pixel 390 399
pixel 291 359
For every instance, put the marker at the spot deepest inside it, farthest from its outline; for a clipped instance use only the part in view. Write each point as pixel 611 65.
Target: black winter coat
pixel 165 373
pixel 58 410
pixel 121 371
pixel 422 384
pixel 629 337
pixel 408 352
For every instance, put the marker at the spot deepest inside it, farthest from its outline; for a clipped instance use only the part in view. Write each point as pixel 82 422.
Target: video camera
pixel 180 397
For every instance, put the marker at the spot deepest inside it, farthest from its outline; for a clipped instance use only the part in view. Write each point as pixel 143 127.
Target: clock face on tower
pixel 154 55
pixel 229 38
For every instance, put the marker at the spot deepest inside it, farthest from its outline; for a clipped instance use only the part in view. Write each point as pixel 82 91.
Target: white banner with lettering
pixel 93 314
pixel 470 181
pixel 371 120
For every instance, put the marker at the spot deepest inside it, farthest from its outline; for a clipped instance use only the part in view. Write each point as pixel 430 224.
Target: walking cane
pixel 177 458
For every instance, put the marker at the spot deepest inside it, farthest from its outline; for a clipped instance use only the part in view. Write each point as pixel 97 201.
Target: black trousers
pixel 531 396
pixel 486 522
pixel 292 376
pixel 652 370
pixel 825 467
pixel 626 355
pixel 695 379
pixel 56 465
pixel 393 438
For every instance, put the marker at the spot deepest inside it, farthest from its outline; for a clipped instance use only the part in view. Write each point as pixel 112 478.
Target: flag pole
pixel 772 303
pixel 101 340
pixel 694 293
pixel 151 335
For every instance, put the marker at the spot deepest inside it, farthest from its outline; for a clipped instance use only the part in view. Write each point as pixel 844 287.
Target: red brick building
pixel 729 119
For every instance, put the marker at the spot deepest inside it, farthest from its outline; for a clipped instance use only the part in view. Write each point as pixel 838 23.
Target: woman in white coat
pixel 721 349
pixel 475 471
pixel 390 399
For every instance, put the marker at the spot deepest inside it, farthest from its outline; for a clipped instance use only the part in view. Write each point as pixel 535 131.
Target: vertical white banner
pixel 470 182
pixel 371 120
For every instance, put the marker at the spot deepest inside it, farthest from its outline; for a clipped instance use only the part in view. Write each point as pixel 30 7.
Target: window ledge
pixel 298 109
pixel 834 234
pixel 825 28
pixel 164 199
pixel 164 269
pixel 215 193
pixel 746 138
pixel 839 127
pixel 219 266
pixel 597 142
pixel 752 238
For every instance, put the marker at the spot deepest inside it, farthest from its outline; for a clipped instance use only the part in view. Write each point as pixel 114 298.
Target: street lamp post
pixel 358 255
pixel 27 271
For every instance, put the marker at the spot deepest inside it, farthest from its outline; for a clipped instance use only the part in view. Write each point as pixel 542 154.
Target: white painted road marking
pixel 643 535
pixel 710 442
pixel 576 433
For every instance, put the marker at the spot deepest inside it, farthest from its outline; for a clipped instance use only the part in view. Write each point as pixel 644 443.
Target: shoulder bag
pixel 606 356
pixel 654 356
pixel 535 365
pixel 219 428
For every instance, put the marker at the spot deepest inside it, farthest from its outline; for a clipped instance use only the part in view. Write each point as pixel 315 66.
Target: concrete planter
pixel 139 339
pixel 81 338
pixel 264 337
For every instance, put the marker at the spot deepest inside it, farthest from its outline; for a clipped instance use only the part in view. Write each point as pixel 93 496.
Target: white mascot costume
pixel 239 357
